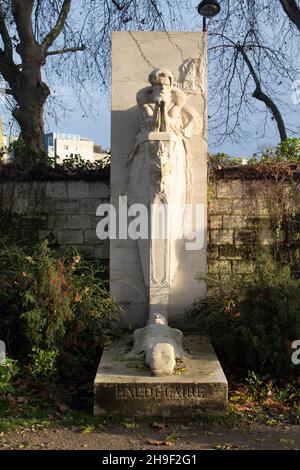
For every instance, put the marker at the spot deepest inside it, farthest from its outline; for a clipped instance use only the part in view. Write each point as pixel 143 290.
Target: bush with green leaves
pixel 253 322
pixel 43 362
pixel 77 162
pixel 287 151
pixel 51 303
pixel 8 370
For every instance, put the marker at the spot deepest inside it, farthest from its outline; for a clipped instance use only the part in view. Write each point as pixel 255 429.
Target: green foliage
pixel 286 151
pixel 51 303
pixel 76 162
pixel 222 158
pixel 42 362
pixel 8 370
pixel 287 394
pixel 254 321
pixel 257 388
pixel 22 153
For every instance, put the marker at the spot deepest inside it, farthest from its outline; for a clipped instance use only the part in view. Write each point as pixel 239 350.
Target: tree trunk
pixel 292 10
pixel 29 115
pixel 31 93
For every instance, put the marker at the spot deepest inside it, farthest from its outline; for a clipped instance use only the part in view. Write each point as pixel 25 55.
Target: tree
pixel 30 28
pixel 292 10
pixel 254 46
pixel 253 51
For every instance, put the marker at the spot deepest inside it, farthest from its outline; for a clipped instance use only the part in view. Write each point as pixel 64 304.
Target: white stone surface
pixel 169 280
pixel 158 344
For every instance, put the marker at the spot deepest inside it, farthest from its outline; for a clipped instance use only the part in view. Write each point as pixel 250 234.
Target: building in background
pixel 63 145
pixel 5 142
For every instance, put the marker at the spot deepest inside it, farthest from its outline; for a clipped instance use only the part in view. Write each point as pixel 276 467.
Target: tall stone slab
pixel 138 268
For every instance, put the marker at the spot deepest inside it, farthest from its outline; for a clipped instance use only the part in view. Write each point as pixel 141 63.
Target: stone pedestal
pixel 126 388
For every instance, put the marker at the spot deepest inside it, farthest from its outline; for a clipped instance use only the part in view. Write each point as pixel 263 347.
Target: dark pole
pixel 204 24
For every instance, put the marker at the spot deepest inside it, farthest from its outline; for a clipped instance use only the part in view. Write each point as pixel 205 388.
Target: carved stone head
pixel 157 319
pixel 159 76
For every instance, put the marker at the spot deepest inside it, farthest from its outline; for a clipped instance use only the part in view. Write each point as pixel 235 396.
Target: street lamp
pixel 208 9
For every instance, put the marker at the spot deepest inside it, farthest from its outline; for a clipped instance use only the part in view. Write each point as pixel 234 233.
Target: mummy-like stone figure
pixel 159 344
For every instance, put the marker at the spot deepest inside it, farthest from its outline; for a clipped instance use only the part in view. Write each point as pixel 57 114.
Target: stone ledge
pixel 126 388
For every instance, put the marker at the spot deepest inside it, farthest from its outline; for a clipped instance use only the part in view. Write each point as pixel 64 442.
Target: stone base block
pixel 125 387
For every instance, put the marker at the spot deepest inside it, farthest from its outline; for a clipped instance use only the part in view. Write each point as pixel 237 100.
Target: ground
pixel 50 415
pixel 147 436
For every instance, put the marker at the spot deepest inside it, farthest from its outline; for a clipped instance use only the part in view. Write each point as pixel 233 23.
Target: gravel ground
pixel 154 436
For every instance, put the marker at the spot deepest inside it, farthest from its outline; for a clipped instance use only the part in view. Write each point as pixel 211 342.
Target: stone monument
pixel 158 181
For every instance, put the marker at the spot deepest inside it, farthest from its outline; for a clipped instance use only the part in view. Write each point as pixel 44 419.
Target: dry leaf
pixel 157 425
pixel 157 443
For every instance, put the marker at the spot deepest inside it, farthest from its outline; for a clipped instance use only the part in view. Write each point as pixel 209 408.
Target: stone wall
pixel 240 224
pixel 62 211
pixel 244 219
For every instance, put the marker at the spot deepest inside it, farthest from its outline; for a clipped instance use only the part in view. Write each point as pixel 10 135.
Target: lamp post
pixel 208 9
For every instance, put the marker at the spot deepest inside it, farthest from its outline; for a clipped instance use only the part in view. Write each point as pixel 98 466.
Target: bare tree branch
pixel 66 50
pixel 117 5
pixel 5 36
pixel 55 32
pixel 261 96
pixel 292 10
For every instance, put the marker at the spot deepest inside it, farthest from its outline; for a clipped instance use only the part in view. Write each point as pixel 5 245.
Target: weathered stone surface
pixel 159 344
pixel 80 222
pixel 70 237
pixel 245 237
pixel 244 207
pixel 219 267
pixel 90 238
pixel 123 388
pixel 78 189
pixel 162 359
pixel 56 190
pixel 221 237
pixel 243 267
pixel 103 250
pixel 220 206
pixel 145 126
pixel 215 221
pixel 98 190
pixel 235 221
pixel 89 206
pixel 230 189
pixel 57 222
pixel 68 206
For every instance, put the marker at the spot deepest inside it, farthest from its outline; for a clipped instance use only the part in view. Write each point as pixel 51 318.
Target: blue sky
pixel 98 129
pixel 97 126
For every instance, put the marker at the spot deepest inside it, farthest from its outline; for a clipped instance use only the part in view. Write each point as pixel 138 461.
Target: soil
pixel 154 436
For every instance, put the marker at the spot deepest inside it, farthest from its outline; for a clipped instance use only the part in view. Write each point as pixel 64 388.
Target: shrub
pixel 8 370
pixel 51 303
pixel 254 321
pixel 43 362
pixel 286 151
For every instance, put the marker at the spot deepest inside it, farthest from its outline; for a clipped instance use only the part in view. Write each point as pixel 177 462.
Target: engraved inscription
pixel 169 392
